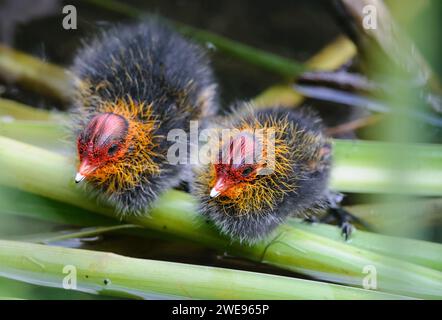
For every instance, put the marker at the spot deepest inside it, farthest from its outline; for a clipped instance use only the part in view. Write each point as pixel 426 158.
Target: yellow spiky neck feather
pixel 126 172
pixel 265 191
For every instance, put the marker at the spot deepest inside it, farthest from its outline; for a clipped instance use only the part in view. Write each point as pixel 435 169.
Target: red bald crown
pixel 238 163
pixel 102 140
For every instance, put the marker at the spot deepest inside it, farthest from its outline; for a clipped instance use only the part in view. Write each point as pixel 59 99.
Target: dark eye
pixel 247 171
pixel 113 148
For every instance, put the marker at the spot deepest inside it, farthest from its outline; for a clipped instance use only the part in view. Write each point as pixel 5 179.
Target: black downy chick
pixel 134 84
pixel 245 191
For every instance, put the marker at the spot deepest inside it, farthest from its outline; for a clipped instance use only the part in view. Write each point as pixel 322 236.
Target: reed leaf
pixel 115 275
pixel 51 175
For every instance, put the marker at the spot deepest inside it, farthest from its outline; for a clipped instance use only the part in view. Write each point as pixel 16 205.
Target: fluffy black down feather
pixel 149 63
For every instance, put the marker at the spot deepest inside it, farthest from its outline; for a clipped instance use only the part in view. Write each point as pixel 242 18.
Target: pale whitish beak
pixel 79 177
pixel 214 193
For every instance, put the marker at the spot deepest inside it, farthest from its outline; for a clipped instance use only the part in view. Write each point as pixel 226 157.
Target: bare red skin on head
pixel 236 165
pixel 102 140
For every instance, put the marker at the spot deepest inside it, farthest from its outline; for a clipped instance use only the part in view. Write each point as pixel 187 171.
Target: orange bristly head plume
pixel 117 146
pixel 242 157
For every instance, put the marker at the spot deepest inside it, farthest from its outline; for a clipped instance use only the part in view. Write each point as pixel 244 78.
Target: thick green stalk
pixel 18 290
pixel 369 167
pixel 45 134
pixel 35 74
pixel 424 253
pixel 17 203
pixel 423 212
pixel 56 236
pixel 427 254
pixel 111 274
pixel 10 109
pixel 51 175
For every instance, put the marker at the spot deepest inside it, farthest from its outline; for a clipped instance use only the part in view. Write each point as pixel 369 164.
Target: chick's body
pixel 135 84
pixel 243 200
